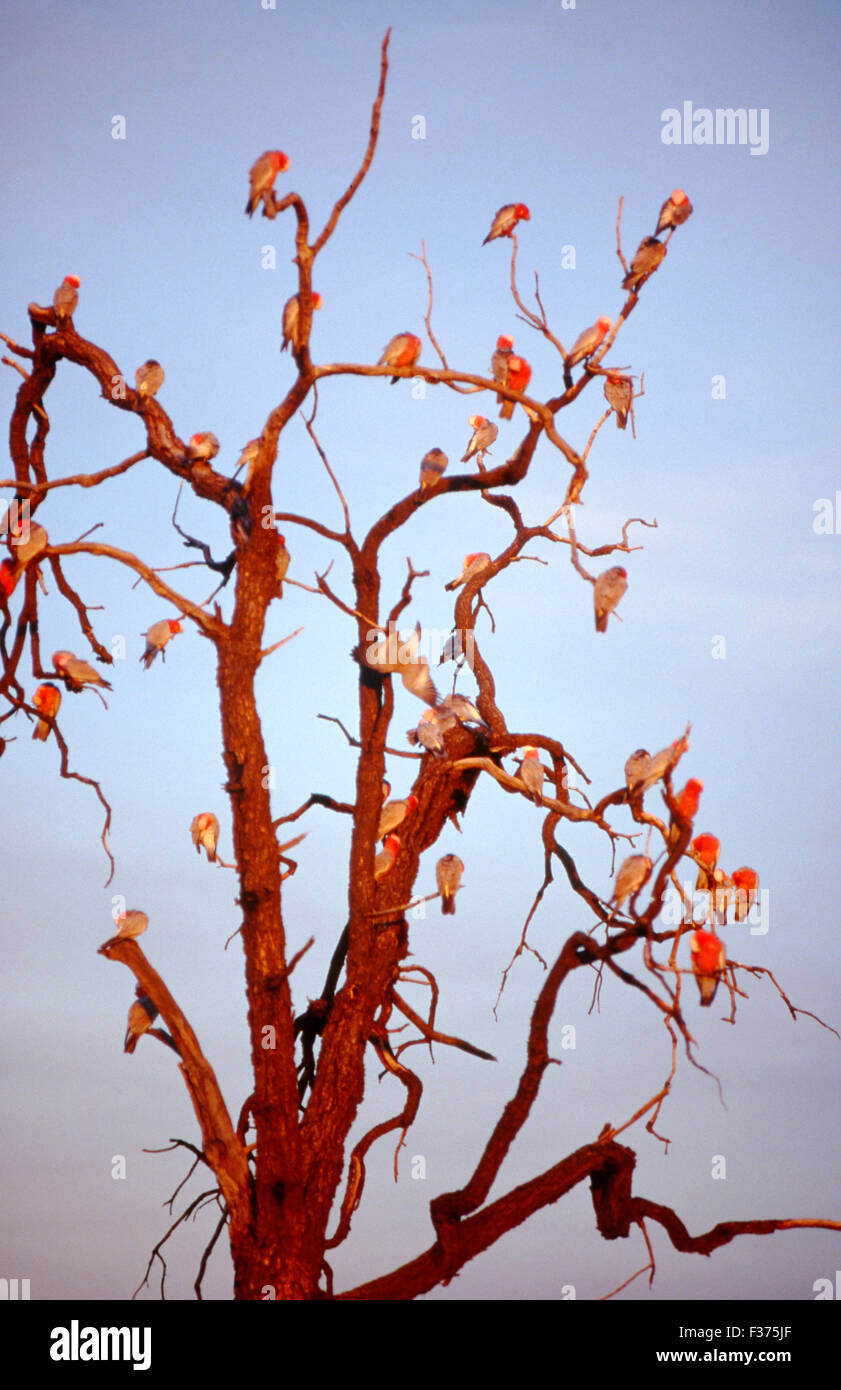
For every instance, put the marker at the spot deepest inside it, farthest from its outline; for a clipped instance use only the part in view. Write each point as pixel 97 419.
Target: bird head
pixel 522 213
pixel 280 161
pixel 504 342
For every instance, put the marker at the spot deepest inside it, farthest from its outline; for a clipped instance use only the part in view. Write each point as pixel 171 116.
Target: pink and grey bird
pixel 66 297
pixel 517 378
pixel 394 813
pixel 141 1016
pixel 619 392
pixel 132 923
pixel 28 540
pixel 633 874
pixel 402 351
pixel 262 175
pixel 463 709
pixel 47 701
pixel 471 566
pixel 204 829
pixel 674 211
pixel 746 886
pixel 384 861
pixel 650 253
pixel 607 591
pixel 499 362
pixel 157 637
pixel 204 445
pixel 709 960
pixel 77 673
pixel 248 456
pixel 636 768
pixel 531 774
pixel 484 435
pixel 392 656
pixel 149 378
pixel 686 802
pixel 432 468
pixel 506 220
pixel 705 850
pixel 588 341
pixel 430 731
pixel 281 563
pixel 448 872
pixel 291 312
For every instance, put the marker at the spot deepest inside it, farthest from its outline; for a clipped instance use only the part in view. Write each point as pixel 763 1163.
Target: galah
pixel 28 540
pixel 432 467
pixel 499 362
pixel 674 211
pixel 632 875
pixel 262 175
pixel 709 960
pixel 517 378
pixel 636 768
pixel 77 673
pixel 705 850
pixel 47 701
pixel 141 1016
pixel 649 254
pixel 132 923
pixel 66 297
pixel 281 563
pixel 402 351
pixel 588 341
pixel 506 219
pixel 248 456
pixel 394 813
pixel 464 710
pixel 417 680
pixel 291 311
pixel 429 732
pixel 607 591
pixel 157 637
pixel 448 872
pixel 10 573
pixel 396 657
pixel 531 774
pixel 149 378
pixel 746 886
pixel 202 446
pixel 453 650
pixel 619 392
pixel 484 434
pixel 384 861
pixel 686 802
pixel 471 566
pixel 204 829
pixel 663 761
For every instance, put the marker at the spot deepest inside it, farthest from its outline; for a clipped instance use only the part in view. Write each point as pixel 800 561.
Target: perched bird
pixel 262 175
pixel 662 763
pixel 77 673
pixel 282 563
pixel 28 540
pixel 471 566
pixel 649 254
pixel 484 434
pixel 746 886
pixel 499 362
pixel 448 872
pixel 149 378
pixel 131 923
pixel 674 211
pixel 429 732
pixel 290 320
pixel 632 875
pixel 588 341
pixel 531 774
pixel 506 220
pixel 66 297
pixel 709 960
pixel 141 1016
pixel 607 591
pixel 636 768
pixel 204 829
pixel 453 650
pixel 463 709
pixel 705 850
pixel 402 351
pixel 248 456
pixel 394 813
pixel 517 378
pixel 47 701
pixel 433 466
pixel 202 446
pixel 10 573
pixel 157 637
pixel 619 392
pixel 686 802
pixel 384 861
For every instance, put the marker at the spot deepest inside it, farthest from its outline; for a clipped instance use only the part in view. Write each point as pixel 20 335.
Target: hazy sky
pixel 561 108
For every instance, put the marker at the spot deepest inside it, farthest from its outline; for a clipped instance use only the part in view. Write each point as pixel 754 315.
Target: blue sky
pixel 560 109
